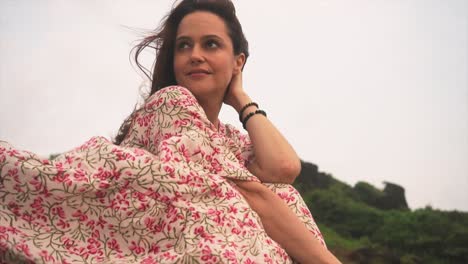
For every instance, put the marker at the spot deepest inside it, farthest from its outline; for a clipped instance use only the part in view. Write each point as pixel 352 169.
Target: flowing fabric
pixel 164 195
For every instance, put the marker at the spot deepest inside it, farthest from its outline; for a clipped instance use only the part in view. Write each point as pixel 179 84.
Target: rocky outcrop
pixel 392 196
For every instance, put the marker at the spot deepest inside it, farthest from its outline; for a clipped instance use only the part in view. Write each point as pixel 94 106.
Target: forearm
pixel 283 226
pixel 275 159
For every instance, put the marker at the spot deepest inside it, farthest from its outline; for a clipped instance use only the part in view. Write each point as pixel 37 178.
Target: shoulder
pixel 171 95
pixel 173 89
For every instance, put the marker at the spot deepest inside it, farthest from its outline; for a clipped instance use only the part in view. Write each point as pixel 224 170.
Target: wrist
pixel 241 100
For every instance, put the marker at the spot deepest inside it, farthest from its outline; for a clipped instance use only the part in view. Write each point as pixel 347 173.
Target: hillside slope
pixel 363 224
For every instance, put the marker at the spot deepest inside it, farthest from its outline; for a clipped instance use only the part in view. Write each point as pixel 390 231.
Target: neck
pixel 212 111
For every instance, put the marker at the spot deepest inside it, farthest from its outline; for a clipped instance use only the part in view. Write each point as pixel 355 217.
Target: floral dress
pixel 164 195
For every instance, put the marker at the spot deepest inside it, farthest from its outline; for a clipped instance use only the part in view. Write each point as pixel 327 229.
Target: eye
pixel 212 44
pixel 183 45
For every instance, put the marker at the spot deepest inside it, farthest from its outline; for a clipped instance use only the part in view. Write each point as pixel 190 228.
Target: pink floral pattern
pixel 163 196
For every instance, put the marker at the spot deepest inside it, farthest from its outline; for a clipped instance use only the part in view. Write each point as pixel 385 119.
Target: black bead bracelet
pixel 245 107
pixel 247 117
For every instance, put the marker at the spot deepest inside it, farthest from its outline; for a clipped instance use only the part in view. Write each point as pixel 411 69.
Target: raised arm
pixel 275 159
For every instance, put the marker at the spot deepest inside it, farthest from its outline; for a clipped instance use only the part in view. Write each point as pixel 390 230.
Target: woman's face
pixel 204 60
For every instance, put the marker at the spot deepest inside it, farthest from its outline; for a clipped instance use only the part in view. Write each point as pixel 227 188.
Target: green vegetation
pixel 363 224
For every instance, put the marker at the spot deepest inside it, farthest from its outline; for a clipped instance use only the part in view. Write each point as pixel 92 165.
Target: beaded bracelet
pixel 247 117
pixel 245 107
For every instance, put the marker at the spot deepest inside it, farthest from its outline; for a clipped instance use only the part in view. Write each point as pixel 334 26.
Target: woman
pixel 181 186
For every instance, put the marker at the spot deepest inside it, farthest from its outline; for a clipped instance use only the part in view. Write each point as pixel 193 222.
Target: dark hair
pixel 163 42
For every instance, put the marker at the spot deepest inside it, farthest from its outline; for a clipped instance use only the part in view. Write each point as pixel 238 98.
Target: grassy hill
pixel 363 224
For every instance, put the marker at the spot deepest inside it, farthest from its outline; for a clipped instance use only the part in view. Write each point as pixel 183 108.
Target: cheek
pixel 178 68
pixel 226 70
pixel 225 78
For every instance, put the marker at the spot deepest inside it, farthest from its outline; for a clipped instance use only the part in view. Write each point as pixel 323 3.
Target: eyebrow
pixel 204 37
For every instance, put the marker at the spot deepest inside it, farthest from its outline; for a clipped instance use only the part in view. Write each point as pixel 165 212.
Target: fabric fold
pixel 163 196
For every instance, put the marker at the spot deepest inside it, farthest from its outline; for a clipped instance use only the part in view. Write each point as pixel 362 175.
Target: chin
pixel 199 88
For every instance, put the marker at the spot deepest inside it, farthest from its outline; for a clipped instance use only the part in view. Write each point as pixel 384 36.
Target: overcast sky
pixel 369 90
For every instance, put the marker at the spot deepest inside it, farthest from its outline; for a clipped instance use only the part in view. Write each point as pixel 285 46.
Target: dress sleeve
pixel 245 155
pixel 169 112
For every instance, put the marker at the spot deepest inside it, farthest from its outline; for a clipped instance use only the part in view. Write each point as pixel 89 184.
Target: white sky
pixel 372 90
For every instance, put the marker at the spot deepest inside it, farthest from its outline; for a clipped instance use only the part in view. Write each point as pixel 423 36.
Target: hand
pixel 235 94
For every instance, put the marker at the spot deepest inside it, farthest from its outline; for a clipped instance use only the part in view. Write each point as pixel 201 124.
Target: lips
pixel 198 72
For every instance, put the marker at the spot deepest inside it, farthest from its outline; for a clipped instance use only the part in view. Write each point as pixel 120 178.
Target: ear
pixel 239 61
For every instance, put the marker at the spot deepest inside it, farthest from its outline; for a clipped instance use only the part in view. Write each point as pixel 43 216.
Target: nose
pixel 197 55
